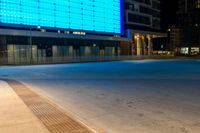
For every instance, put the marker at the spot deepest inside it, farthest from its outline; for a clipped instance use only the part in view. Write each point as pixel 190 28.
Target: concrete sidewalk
pixel 15 116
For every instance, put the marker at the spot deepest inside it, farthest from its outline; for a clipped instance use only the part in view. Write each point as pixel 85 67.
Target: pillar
pixel 150 45
pixel 34 53
pixel 199 50
pixel 189 50
pixel 143 45
pixel 139 45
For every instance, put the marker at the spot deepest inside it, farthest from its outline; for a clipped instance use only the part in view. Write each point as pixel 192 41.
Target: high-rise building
pixel 189 25
pixel 47 30
pixel 41 29
pixel 142 23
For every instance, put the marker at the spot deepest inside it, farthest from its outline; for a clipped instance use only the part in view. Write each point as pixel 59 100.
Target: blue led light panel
pixel 84 15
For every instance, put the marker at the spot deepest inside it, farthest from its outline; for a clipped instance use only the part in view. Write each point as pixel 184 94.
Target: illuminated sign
pixel 84 15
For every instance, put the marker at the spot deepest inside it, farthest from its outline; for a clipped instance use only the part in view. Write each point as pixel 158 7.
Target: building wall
pixel 142 23
pixel 142 13
pixel 175 37
pixel 125 48
pixel 186 36
pixel 19 51
pixel 35 30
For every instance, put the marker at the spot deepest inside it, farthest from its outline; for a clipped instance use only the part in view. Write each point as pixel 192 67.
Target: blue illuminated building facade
pixel 82 15
pixel 39 30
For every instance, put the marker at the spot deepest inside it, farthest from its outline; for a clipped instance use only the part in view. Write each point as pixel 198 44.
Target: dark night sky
pixel 168 13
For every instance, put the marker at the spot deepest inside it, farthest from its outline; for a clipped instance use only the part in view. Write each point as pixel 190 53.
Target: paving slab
pixel 54 118
pixel 15 116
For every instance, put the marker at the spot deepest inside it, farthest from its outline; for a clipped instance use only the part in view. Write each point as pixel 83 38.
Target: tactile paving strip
pixel 52 117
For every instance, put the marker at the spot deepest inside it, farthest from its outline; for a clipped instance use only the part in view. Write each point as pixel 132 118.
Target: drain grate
pixel 52 117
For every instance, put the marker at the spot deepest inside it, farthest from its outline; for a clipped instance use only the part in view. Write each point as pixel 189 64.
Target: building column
pixel 199 50
pixel 144 45
pixel 34 53
pixel 150 45
pixel 189 50
pixel 139 45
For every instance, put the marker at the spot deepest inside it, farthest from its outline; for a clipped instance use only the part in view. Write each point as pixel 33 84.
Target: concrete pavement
pixel 15 116
pixel 147 96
